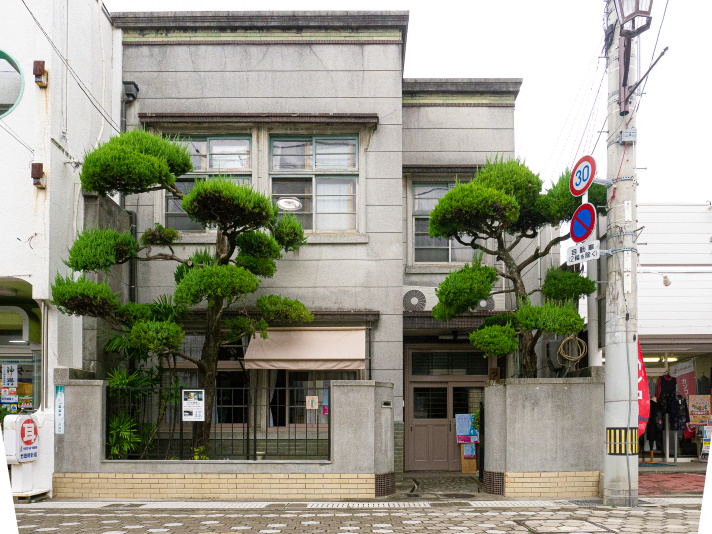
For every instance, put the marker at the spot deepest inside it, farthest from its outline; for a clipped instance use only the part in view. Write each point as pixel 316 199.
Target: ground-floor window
pixel 21 381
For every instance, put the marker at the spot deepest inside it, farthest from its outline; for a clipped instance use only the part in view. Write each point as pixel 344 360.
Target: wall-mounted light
pixel 289 204
pixel 37 174
pixel 38 69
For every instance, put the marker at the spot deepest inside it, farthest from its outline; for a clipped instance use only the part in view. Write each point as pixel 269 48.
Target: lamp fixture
pixel 289 204
pixel 634 16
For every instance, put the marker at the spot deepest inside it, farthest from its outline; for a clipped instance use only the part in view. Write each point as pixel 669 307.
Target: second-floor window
pixel 322 173
pixel 430 249
pixel 211 156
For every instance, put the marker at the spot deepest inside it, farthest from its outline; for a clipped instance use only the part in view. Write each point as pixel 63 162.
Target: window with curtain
pixel 225 156
pixel 430 249
pixel 322 173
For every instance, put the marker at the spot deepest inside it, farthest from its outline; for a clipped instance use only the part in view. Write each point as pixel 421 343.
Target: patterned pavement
pixel 659 516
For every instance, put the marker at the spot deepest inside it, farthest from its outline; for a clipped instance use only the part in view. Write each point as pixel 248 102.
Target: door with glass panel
pixel 441 384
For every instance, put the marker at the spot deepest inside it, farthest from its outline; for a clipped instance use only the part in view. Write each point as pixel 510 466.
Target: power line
pixel 16 137
pixel 92 99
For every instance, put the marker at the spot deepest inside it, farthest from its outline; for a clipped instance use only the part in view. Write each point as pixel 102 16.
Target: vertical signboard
pixel 193 405
pixel 684 372
pixel 59 410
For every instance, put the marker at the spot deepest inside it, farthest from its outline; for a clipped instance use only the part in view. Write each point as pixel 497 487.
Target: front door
pixel 441 384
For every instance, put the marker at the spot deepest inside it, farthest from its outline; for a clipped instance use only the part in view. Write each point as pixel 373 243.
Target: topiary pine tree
pixel 494 214
pixel 250 237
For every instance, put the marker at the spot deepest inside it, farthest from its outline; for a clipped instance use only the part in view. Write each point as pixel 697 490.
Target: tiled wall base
pixel 553 485
pixel 214 486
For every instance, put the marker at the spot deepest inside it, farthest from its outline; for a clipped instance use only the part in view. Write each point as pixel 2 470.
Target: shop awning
pixel 313 349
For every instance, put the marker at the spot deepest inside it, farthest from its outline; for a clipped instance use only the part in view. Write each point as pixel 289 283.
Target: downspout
pixel 369 348
pixel 45 354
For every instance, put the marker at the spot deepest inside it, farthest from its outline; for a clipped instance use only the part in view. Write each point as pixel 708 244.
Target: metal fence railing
pixel 247 423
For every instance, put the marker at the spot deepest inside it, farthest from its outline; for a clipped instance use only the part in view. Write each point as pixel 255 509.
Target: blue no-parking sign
pixel 583 223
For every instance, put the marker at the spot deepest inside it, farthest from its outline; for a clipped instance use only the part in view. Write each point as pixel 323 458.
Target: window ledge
pixel 196 238
pixel 331 239
pixel 434 268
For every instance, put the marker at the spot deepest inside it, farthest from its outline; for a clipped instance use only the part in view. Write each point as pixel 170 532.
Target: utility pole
pixel 620 480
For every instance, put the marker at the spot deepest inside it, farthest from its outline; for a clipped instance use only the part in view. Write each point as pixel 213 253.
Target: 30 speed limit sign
pixel 582 176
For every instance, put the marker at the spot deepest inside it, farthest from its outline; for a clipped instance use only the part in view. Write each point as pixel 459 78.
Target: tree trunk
pixel 528 355
pixel 208 373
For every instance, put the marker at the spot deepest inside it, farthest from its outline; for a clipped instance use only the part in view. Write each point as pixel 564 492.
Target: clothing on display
pixel 666 390
pixel 703 385
pixel 654 430
pixel 679 414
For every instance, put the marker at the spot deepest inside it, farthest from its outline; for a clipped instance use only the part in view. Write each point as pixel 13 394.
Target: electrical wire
pixel 15 136
pixel 82 86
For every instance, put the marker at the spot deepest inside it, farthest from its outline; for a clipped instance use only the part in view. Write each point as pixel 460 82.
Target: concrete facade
pixel 257 76
pixel 530 427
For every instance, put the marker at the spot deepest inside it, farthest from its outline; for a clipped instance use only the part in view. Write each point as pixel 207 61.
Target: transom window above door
pixel 320 172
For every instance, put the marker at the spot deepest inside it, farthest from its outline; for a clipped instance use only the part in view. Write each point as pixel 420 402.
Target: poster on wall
pixel 9 375
pixel 465 429
pixel 699 406
pixel 312 402
pixel 685 374
pixel 468 450
pixel 193 406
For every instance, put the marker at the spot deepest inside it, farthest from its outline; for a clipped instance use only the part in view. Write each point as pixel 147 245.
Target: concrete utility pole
pixel 620 484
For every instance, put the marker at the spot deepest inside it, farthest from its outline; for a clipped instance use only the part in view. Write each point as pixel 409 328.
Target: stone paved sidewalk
pixel 397 518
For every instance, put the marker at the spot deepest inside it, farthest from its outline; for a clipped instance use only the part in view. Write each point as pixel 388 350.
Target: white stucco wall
pixel 58 124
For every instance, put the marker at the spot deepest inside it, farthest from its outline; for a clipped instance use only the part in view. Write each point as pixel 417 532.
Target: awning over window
pixel 313 349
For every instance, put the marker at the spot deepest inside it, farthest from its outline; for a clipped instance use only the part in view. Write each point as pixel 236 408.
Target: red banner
pixel 643 394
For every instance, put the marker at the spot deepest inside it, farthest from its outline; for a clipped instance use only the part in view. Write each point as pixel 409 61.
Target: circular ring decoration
pixel 12 83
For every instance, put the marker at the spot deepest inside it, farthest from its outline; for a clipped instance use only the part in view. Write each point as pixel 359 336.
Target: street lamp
pixel 634 16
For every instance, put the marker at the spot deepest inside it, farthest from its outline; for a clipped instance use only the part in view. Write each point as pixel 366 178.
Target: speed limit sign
pixel 582 176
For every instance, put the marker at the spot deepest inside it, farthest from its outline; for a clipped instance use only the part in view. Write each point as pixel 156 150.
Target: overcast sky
pixel 554 46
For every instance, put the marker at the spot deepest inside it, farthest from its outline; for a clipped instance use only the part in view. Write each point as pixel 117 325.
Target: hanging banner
pixel 643 394
pixel 685 374
pixel 465 429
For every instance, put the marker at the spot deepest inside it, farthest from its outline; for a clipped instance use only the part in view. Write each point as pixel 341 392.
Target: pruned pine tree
pixel 495 214
pixel 250 237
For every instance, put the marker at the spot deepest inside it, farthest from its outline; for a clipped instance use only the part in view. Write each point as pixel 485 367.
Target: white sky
pixel 554 45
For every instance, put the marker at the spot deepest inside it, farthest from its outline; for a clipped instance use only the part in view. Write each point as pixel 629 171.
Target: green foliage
pixel 121 378
pixel 219 200
pixel 550 318
pixel 98 250
pixel 134 162
pixel 507 318
pixel 163 309
pixel 124 436
pixel 84 297
pixel 244 326
pixel 257 253
pixel 288 232
pixel 514 179
pixel 259 245
pixel 265 267
pixel 281 309
pixel 200 258
pixel 199 453
pixel 468 209
pixel 561 204
pixel 463 290
pixel 561 286
pixel 156 336
pixel 133 312
pixel 215 281
pixel 495 340
pixel 159 236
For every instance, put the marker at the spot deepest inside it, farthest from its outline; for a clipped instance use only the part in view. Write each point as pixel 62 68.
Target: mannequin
pixel 653 432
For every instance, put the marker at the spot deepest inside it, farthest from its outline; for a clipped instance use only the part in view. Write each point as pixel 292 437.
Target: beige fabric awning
pixel 308 349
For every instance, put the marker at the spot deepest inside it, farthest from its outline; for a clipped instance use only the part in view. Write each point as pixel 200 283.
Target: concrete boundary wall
pixel 544 436
pixel 361 465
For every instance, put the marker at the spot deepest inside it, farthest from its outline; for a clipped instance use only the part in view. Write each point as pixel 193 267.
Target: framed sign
pixel 193 405
pixel 699 409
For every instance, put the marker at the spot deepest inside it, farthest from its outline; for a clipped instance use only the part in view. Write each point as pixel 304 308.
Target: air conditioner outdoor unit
pixel 422 298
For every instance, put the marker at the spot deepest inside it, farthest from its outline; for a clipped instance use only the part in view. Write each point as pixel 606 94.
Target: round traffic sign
pixel 28 432
pixel 582 176
pixel 583 222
